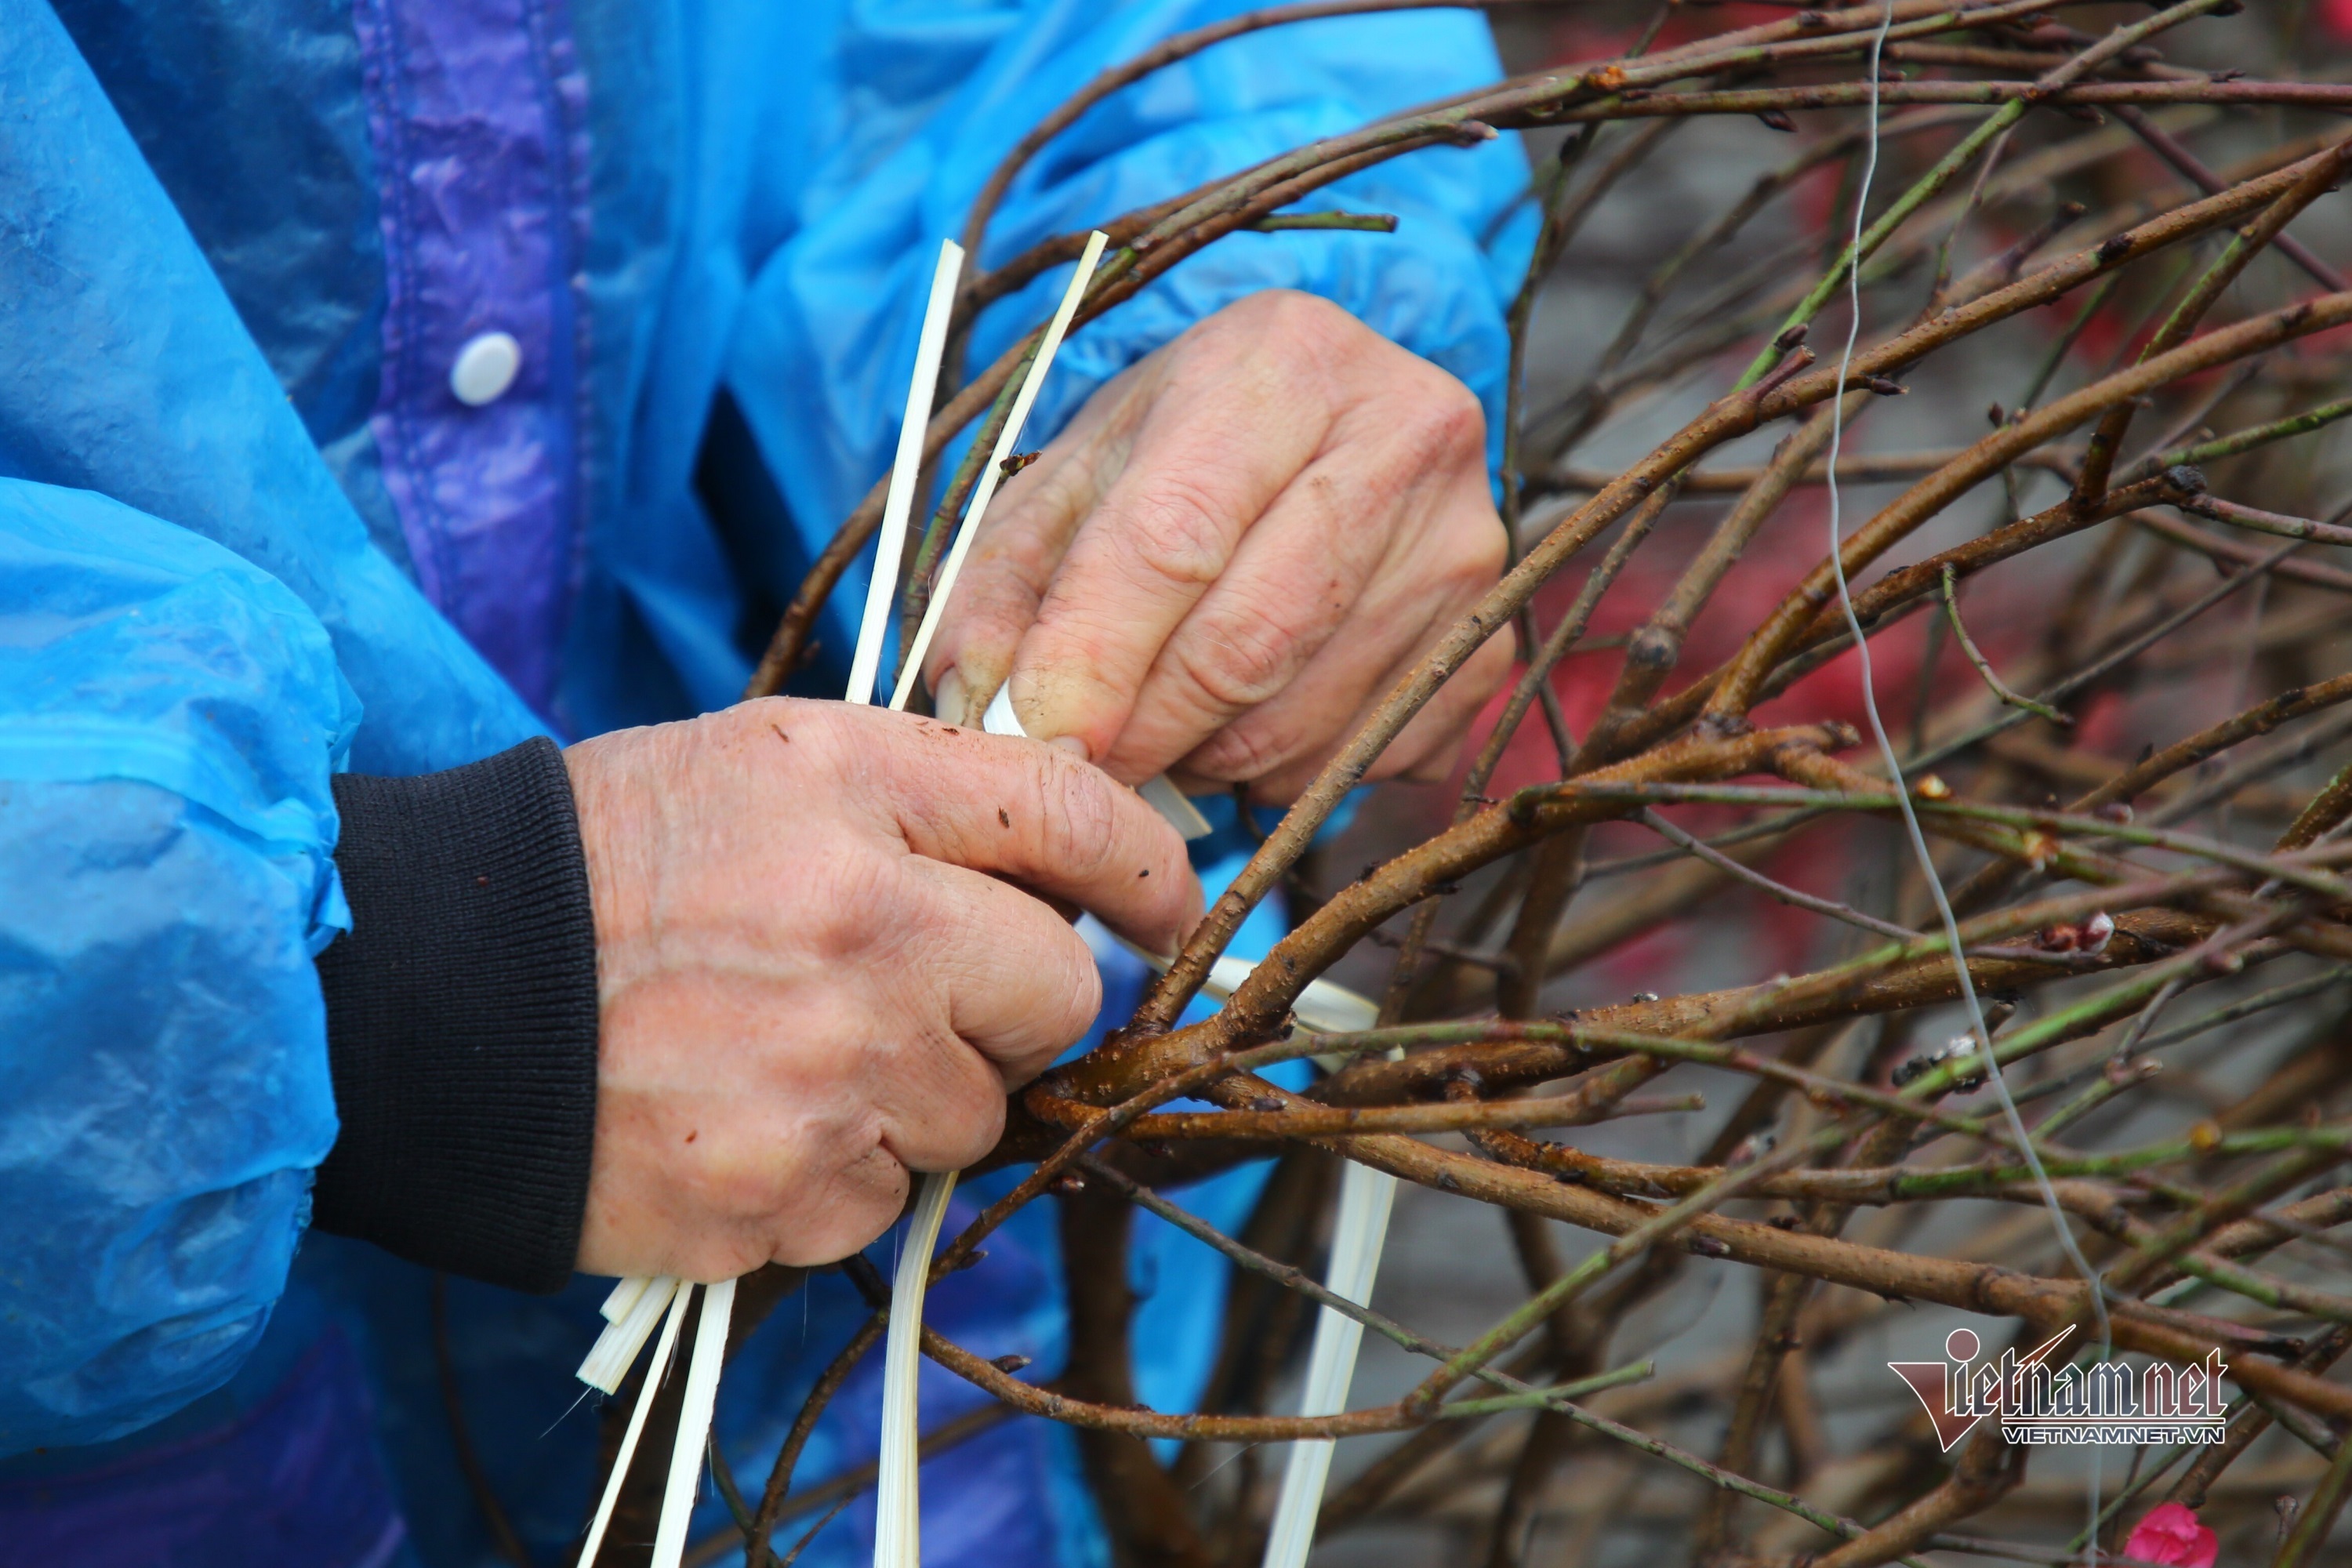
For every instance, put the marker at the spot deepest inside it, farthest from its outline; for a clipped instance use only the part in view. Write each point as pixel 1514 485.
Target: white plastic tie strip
pixel 1007 441
pixel 906 473
pixel 694 1422
pixel 625 1296
pixel 1366 1196
pixel 897 1503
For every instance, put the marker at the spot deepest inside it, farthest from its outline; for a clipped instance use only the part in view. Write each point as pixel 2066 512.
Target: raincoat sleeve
pixel 932 101
pixel 1438 286
pixel 168 714
pixel 190 618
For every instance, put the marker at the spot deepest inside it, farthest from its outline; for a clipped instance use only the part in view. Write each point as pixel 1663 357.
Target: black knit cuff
pixel 461 1020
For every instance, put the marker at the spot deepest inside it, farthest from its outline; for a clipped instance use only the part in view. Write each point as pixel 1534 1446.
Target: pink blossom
pixel 2171 1535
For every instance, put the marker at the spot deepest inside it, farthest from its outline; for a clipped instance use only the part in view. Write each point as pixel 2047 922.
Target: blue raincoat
pixel 250 535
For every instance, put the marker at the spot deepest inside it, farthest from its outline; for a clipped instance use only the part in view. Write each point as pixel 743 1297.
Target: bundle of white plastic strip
pixel 630 1314
pixel 623 1296
pixel 634 1305
pixel 675 1300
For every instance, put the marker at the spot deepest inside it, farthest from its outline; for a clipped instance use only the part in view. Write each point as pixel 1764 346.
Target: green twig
pixel 1360 223
pixel 1984 666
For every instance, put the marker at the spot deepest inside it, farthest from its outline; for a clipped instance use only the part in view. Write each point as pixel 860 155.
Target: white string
pixel 985 491
pixel 695 1410
pixel 1366 1196
pixel 1895 768
pixel 897 1505
pixel 898 503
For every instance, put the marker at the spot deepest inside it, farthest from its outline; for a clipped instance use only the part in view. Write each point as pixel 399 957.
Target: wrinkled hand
pixel 815 972
pixel 1232 553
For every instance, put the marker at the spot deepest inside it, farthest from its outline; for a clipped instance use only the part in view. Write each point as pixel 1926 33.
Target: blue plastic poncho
pixel 250 535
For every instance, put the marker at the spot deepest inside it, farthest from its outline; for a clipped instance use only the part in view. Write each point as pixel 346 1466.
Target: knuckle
pixel 1081 817
pixel 1236 661
pixel 1480 555
pixel 865 895
pixel 1488 672
pixel 975 1131
pixel 862 1200
pixel 1463 416
pixel 1448 424
pixel 1316 338
pixel 1270 307
pixel 1243 751
pixel 1434 765
pixel 1173 533
pixel 1298 315
pixel 832 1235
pixel 1071 1005
pixel 827 739
pixel 740 1183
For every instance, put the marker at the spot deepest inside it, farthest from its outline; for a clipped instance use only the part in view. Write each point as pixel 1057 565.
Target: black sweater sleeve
pixel 461 1020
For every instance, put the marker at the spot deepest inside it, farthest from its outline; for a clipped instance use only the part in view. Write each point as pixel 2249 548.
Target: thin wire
pixel 1895 768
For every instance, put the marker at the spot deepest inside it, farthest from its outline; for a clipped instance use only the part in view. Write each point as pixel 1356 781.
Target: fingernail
pixel 1021 688
pixel 947 702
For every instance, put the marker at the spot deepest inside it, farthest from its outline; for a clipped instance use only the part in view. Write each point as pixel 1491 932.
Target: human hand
pixel 1232 553
pixel 814 973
